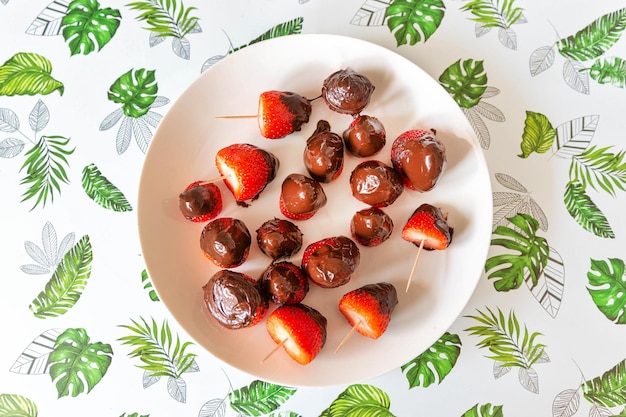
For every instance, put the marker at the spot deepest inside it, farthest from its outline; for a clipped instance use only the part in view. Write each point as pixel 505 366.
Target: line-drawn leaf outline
pixel 177 388
pixel 75 361
pixel 259 397
pixel 102 191
pixel 574 136
pixel 49 254
pixel 411 22
pixel 585 212
pixel 28 73
pixel 11 147
pixel 45 169
pixel 15 404
pixel 371 13
pixel 566 403
pixel 86 25
pixel 182 47
pixel 600 169
pixel 508 38
pixel 67 283
pixel 541 59
pixel 607 390
pixel 575 76
pixel 9 122
pixel 441 357
pixel 367 399
pixel 48 21
pixel 39 117
pixel 550 285
pixel 529 379
pixel 479 126
pixel 35 358
pixel 215 407
pixel 507 204
pixel 606 286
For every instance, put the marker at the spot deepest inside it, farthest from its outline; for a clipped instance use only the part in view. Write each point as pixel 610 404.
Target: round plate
pixel 183 150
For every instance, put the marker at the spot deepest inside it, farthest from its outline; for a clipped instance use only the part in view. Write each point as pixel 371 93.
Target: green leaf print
pixel 156 348
pixel 360 400
pixel 28 73
pixel 538 135
pixel 45 169
pixel 484 410
pixel 136 91
pixel 607 287
pixel 165 18
pixel 465 81
pixel 147 285
pixel 76 361
pixel 67 282
pixel 412 21
pixel 290 27
pixel 531 258
pixel 490 13
pixel 585 212
pixel 85 22
pixel 611 70
pixel 440 357
pixel 100 190
pixel 600 169
pixel 506 341
pixel 14 405
pixel 259 398
pixel 595 39
pixel 608 390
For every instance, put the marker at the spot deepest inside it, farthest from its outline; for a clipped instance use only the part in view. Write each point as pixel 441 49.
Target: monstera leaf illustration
pixel 414 21
pixel 259 398
pixel 607 284
pixel 484 410
pixel 75 361
pixel 136 91
pixel 440 357
pixel 85 22
pixel 360 400
pixel 608 390
pixel 465 81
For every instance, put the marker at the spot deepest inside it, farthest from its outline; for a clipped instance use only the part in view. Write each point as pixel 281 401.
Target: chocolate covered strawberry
pixel 420 158
pixel 200 202
pixel 368 309
pixel 246 170
pixel 281 113
pixel 330 262
pixel 428 226
pixel 300 197
pixel 284 283
pixel 299 329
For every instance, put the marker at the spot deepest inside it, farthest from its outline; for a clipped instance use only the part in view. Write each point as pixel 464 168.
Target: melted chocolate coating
pixel 421 162
pixel 298 106
pixel 226 242
pixel 331 264
pixel 375 183
pixel 278 238
pixel 365 136
pixel 234 299
pixel 301 194
pixel 440 223
pixel 386 295
pixel 323 154
pixel 346 91
pixel 371 226
pixel 285 283
pixel 199 200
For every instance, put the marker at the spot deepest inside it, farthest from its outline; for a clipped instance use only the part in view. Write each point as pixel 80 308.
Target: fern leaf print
pixel 500 14
pixel 102 191
pixel 259 398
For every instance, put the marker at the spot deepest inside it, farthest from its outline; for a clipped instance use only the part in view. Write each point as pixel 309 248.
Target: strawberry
pixel 293 216
pixel 200 202
pixel 284 283
pixel 301 197
pixel 420 158
pixel 247 169
pixel 330 262
pixel 428 224
pixel 369 308
pixel 300 329
pixel 281 113
pixel 279 238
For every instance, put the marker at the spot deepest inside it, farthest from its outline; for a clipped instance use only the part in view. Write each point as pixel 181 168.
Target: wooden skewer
pixel 248 116
pixel 211 181
pixel 347 336
pixel 278 346
pixel 419 251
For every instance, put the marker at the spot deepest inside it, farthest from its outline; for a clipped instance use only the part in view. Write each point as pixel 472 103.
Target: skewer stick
pixel 248 116
pixel 278 346
pixel 347 336
pixel 212 180
pixel 419 250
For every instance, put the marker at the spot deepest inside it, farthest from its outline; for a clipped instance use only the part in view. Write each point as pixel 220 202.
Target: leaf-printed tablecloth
pixel 85 83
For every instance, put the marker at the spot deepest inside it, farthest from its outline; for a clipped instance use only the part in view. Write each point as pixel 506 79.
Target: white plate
pixel 183 151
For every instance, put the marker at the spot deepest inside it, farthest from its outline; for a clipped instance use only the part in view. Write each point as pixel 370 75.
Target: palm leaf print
pixel 530 259
pixel 85 22
pixel 45 169
pixel 413 21
pixel 595 39
pixel 259 398
pixel 28 73
pixel 289 27
pixel 165 18
pixel 67 283
pixel 608 390
pixel 504 338
pixel 147 285
pixel 102 191
pixel 607 285
pixel 490 13
pixel 585 212
pixel 611 70
pixel 600 169
pixel 17 405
